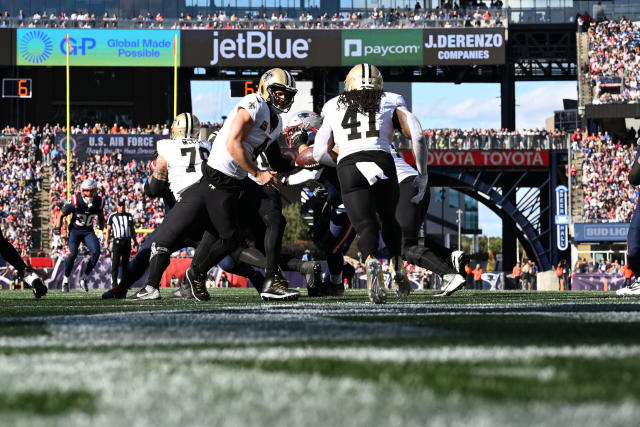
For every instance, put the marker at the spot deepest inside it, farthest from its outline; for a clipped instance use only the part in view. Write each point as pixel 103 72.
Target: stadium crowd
pixel 454 14
pixel 608 196
pixel 495 139
pixel 614 55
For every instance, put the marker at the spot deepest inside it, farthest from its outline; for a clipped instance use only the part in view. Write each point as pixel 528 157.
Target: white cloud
pixel 536 105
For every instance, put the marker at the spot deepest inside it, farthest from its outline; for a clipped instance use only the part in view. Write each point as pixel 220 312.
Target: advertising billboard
pixel 281 48
pixel 483 158
pixel 464 46
pixel 382 47
pixel 600 232
pixel 139 147
pixel 112 48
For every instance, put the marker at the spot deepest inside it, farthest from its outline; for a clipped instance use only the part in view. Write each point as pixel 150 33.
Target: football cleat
pixel 183 292
pixel 375 281
pixel 276 288
pixel 197 286
pixel 632 289
pixel 327 289
pixel 401 283
pixel 83 284
pixel 116 292
pixel 65 285
pixel 450 284
pixel 312 271
pixel 458 260
pixel 146 293
pixel 37 285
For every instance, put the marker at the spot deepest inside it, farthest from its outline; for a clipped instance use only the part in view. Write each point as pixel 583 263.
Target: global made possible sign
pixel 113 48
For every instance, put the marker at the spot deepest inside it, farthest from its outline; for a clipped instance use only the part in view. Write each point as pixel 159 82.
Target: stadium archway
pixel 523 199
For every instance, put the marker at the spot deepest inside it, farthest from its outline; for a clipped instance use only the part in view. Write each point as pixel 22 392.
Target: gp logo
pixel 86 44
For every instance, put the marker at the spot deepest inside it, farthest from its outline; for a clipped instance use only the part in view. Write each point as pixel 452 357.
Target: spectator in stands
pixel 477 277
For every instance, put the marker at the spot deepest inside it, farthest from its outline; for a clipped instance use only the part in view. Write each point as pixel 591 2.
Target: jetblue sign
pixel 562 217
pixel 605 232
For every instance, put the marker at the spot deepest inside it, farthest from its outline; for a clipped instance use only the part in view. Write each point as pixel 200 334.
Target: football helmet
pixel 273 80
pixel 363 76
pixel 185 125
pixel 300 127
pixel 88 189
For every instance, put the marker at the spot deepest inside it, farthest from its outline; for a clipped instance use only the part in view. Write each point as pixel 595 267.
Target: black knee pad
pixel 157 249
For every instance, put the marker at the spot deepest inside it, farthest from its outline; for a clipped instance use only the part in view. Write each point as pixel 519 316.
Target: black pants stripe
pixel 365 203
pixel 120 257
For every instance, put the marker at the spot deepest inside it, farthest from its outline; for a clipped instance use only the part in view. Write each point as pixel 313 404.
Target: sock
pixel 65 280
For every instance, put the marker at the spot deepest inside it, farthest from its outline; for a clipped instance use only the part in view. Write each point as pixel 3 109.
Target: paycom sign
pixel 382 47
pixel 113 48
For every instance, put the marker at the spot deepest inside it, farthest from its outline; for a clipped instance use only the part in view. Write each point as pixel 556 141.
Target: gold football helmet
pixel 277 79
pixel 363 76
pixel 185 125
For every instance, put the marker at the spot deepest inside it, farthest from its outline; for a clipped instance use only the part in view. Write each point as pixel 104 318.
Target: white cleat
pixel 146 293
pixel 450 284
pixel 632 289
pixel 375 281
pixel 65 285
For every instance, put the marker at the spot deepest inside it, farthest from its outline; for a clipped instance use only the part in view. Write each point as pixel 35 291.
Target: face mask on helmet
pixel 278 88
pixel 302 128
pixel 185 125
pixel 88 190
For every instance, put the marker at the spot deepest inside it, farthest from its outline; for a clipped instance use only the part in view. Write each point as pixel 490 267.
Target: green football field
pixel 476 358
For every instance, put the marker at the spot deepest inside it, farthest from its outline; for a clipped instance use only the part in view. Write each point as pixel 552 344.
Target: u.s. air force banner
pixel 138 147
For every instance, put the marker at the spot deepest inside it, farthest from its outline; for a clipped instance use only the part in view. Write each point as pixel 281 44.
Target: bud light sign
pixel 562 217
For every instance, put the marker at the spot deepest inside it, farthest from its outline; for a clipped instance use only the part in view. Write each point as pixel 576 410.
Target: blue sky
pixel 437 105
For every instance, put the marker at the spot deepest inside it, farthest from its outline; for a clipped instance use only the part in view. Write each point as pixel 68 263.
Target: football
pixel 305 159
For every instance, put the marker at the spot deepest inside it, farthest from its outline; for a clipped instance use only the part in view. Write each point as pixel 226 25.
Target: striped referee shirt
pixel 122 225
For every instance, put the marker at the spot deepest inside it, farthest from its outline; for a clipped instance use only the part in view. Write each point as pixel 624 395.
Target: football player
pixel 633 235
pixel 410 213
pixel 253 125
pixel 359 125
pixel 11 255
pixel 332 230
pixel 84 209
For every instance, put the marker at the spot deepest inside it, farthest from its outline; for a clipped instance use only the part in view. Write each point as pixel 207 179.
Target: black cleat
pixel 35 282
pixel 183 292
pixel 312 271
pixel 327 289
pixel 276 288
pixel 117 292
pixel 197 286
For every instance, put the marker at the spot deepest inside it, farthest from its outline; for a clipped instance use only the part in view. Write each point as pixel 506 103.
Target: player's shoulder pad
pixel 162 146
pixel 394 99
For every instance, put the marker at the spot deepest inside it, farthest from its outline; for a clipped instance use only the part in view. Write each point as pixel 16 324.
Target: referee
pixel 123 234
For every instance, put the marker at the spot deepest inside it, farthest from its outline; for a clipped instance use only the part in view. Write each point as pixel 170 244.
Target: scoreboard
pixel 16 88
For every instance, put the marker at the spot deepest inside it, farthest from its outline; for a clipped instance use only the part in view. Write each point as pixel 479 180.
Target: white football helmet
pixel 363 76
pixel 300 126
pixel 88 190
pixel 185 125
pixel 277 79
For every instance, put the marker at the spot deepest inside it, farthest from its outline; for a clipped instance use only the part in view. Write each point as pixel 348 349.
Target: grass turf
pixel 474 350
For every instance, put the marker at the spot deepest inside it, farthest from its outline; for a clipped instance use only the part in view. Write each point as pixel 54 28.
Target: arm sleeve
pixel 634 175
pixel 278 162
pixel 321 145
pixel 418 141
pixel 154 187
pixel 303 176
